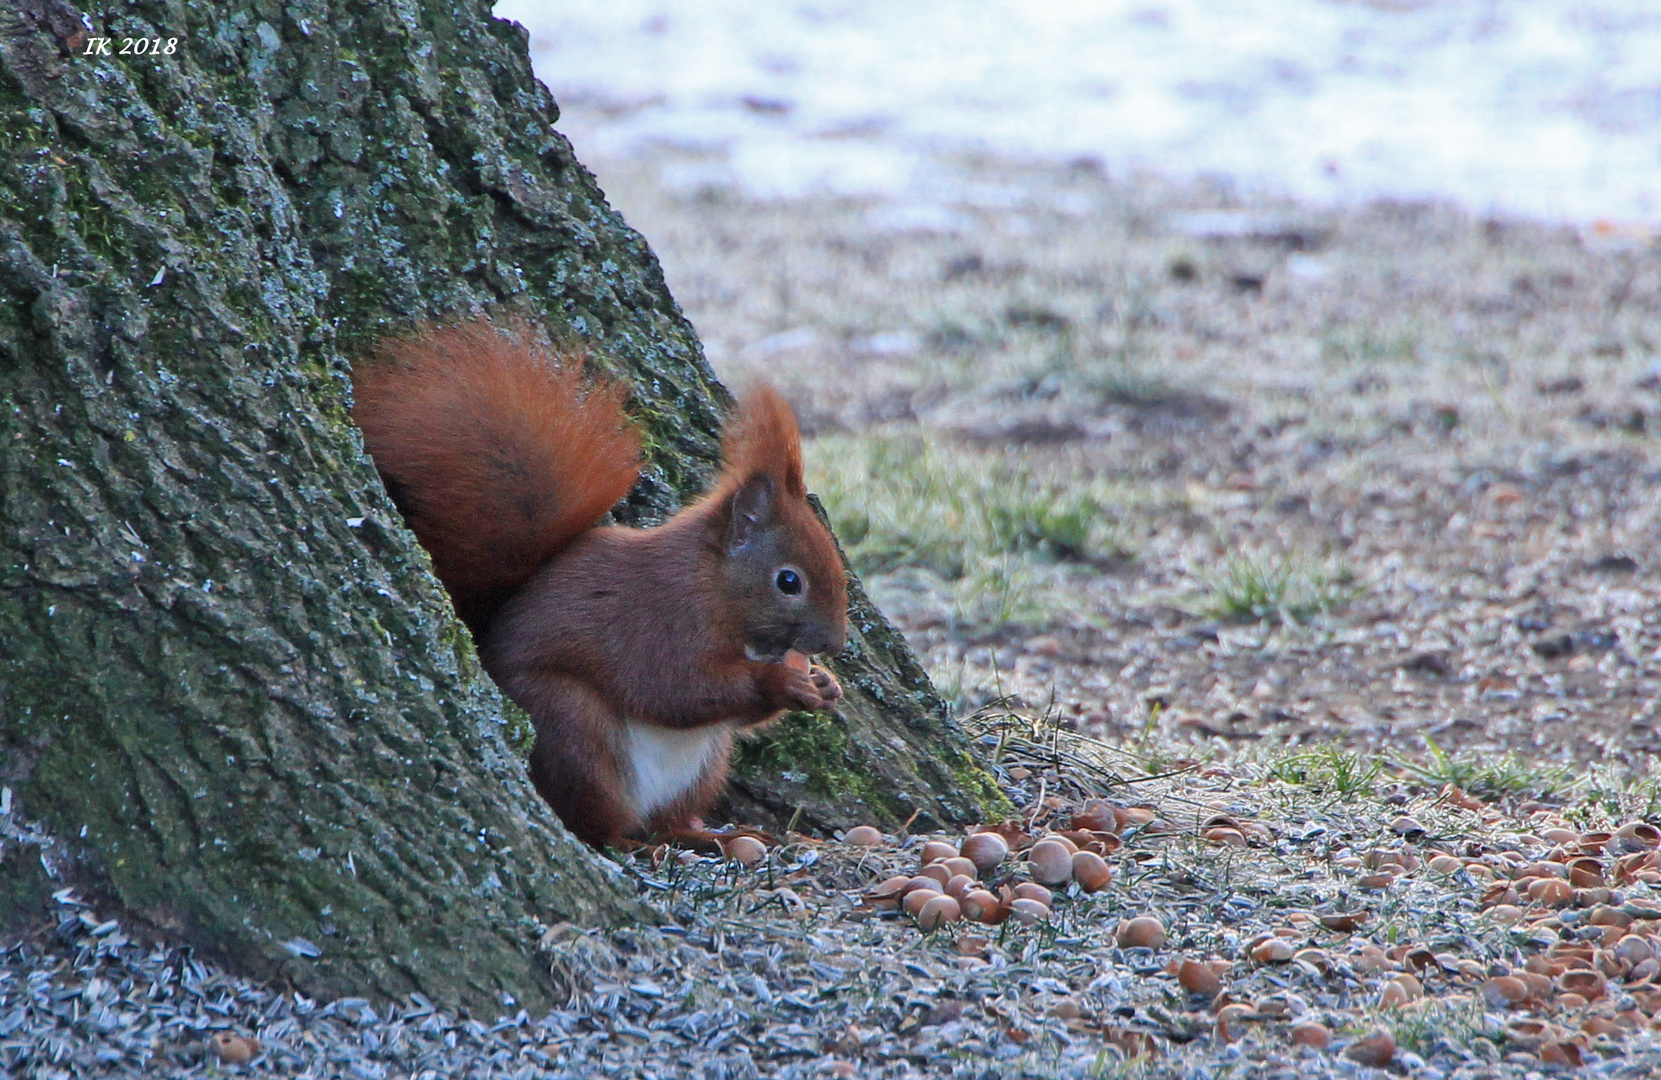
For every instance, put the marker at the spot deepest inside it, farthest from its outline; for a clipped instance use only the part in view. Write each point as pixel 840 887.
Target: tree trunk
pixel 230 688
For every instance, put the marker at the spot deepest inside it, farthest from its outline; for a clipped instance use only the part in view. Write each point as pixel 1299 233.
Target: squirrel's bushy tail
pixel 494 449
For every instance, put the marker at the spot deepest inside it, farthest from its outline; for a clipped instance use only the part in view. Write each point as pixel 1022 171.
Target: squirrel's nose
pixel 821 640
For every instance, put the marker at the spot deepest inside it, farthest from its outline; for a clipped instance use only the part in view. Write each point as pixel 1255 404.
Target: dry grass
pixel 1384 477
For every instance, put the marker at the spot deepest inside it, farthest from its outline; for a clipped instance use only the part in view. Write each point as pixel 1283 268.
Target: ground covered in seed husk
pixel 1305 556
pixel 1418 928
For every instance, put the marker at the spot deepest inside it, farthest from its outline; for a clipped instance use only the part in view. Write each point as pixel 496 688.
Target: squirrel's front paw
pixel 824 682
pixel 802 690
pixel 788 686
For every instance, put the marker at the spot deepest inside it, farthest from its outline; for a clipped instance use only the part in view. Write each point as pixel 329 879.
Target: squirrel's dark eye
pixel 789 582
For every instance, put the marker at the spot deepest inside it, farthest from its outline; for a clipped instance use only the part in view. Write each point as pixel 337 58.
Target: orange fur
pixel 638 653
pixel 496 455
pixel 763 437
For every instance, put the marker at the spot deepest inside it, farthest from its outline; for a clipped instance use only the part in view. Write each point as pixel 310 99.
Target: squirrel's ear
pixel 752 511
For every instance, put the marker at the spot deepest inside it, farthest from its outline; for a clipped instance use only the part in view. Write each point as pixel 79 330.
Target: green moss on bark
pixel 228 681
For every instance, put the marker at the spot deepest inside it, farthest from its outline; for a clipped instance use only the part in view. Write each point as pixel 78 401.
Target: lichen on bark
pixel 229 684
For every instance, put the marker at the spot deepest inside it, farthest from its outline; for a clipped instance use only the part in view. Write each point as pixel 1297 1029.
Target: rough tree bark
pixel 229 686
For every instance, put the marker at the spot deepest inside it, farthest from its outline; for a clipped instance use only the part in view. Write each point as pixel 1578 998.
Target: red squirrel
pixel 638 653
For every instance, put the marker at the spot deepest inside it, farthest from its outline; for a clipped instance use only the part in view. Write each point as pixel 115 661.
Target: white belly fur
pixel 667 761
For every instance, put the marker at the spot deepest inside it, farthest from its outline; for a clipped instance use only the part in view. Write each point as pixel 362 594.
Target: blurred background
pixel 1546 108
pixel 1222 371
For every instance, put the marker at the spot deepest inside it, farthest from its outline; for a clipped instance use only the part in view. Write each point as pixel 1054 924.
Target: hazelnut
pixel 938 872
pixel 1272 951
pixel 1027 912
pixel 1031 890
pixel 1051 863
pixel 1504 992
pixel 894 886
pixel 1142 932
pixel 986 850
pixel 745 850
pixel 980 905
pixel 1091 871
pixel 1376 1050
pixel 1311 1034
pixel 939 911
pixel 1199 978
pixel 937 849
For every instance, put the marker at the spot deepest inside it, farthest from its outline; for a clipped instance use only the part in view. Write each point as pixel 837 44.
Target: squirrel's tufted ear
pixel 752 511
pixel 762 436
